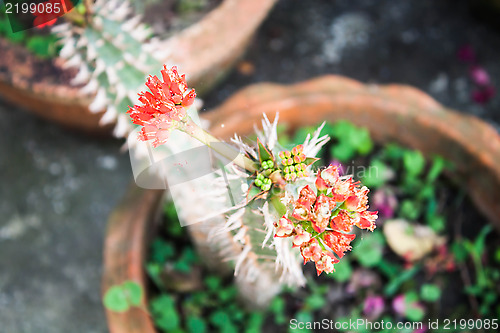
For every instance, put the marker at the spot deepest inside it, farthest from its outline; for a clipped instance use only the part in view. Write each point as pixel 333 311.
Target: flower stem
pixel 226 150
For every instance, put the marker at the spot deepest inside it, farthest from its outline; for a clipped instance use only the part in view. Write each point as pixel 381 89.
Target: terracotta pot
pixel 392 113
pixel 125 250
pixel 205 50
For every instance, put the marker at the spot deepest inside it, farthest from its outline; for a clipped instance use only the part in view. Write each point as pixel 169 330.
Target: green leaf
pixel 430 292
pixel 414 162
pixel 369 249
pixel 412 310
pixel 360 140
pixel 196 324
pixel 410 210
pixel 479 243
pixel 475 290
pixel 459 251
pixel 377 174
pixel 212 282
pixel 301 134
pixel 437 223
pixel 283 138
pixel 165 312
pixel 186 260
pixel 497 255
pixel 315 302
pixel 173 225
pixel 342 152
pixel 115 299
pixel 168 320
pixel 304 317
pixel 390 269
pixel 42 46
pixel 426 192
pixel 341 130
pixel 255 322
pixel 343 271
pixel 393 286
pixel 414 313
pixel 310 160
pixel 227 294
pixel 133 292
pixel 154 271
pixel 161 251
pixel 393 152
pixel 278 308
pixel 438 165
pixel 220 319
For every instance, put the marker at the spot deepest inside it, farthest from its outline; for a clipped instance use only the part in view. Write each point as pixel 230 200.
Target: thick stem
pixel 191 128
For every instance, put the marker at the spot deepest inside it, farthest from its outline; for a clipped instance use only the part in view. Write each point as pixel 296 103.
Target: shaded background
pixel 58 187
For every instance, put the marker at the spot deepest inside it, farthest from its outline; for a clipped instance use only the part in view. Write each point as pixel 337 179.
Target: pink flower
pixel 398 304
pixel 385 202
pixel 329 175
pixel 284 228
pixel 367 220
pixel 301 237
pixel 311 251
pixel 342 222
pixel 479 75
pixel 156 129
pixel 373 306
pixel 338 242
pixel 322 212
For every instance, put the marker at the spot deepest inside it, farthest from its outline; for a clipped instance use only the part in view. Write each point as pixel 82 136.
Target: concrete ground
pixel 57 187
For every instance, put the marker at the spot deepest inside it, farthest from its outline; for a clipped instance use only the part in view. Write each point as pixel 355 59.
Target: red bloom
pixel 338 242
pixel 367 220
pixel 284 227
pixel 162 106
pixel 322 213
pixel 325 264
pixel 301 237
pixel 304 203
pixel 342 222
pixel 330 175
pixel 311 210
pixel 311 251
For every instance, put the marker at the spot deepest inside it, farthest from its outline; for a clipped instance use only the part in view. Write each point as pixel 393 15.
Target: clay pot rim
pixel 333 88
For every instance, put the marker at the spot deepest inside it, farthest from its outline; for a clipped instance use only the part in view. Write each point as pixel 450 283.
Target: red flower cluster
pixel 162 106
pixel 325 218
